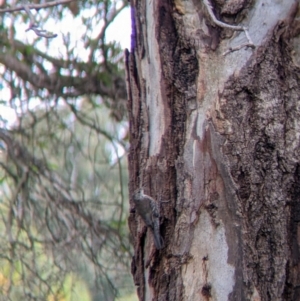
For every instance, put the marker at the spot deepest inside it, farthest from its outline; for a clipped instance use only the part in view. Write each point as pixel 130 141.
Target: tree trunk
pixel 214 131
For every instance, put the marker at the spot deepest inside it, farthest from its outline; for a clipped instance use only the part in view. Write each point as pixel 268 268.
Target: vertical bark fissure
pixel 226 167
pixel 160 171
pixel 261 106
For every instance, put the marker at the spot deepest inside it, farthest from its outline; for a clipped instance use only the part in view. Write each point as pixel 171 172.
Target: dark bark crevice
pixel 179 67
pixel 240 171
pixel 262 105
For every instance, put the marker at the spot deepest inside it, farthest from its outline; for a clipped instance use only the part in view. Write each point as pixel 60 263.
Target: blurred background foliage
pixel 63 145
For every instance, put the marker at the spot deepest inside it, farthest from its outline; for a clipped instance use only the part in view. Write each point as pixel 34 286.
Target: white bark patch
pixel 215 68
pixel 265 15
pixel 148 290
pixel 255 296
pixel 200 123
pixel 209 242
pixel 259 21
pixel 151 70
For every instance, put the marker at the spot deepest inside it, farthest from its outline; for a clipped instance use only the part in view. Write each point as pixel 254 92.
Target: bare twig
pixel 232 49
pixel 41 32
pixel 34 6
pixel 33 26
pixel 101 35
pixel 218 22
pixel 225 25
pixel 248 36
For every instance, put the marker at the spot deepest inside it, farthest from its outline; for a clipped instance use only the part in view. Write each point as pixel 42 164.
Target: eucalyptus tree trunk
pixel 214 129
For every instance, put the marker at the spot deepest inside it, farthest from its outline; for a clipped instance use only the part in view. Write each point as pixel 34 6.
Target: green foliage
pixel 63 167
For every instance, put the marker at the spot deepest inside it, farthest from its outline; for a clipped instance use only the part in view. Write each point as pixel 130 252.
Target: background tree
pixel 63 153
pixel 214 110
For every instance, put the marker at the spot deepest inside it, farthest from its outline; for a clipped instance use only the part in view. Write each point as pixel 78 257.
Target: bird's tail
pixel 158 240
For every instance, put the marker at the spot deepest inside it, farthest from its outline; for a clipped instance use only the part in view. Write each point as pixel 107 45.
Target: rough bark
pixel 215 133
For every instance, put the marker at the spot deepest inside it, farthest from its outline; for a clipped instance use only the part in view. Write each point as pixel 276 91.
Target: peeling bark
pixel 214 139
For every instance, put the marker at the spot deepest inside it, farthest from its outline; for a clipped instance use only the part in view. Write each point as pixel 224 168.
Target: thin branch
pixel 225 25
pixel 56 84
pixel 101 35
pixel 248 37
pixel 232 49
pixel 34 26
pixel 41 32
pixel 34 6
pixel 85 122
pixel 218 22
pixel 59 63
